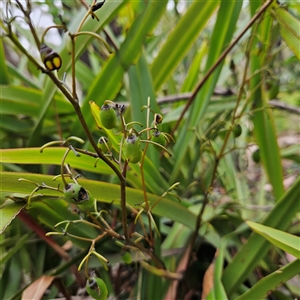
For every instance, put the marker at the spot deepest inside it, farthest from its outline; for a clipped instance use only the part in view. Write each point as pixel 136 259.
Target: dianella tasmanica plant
pixel 148 149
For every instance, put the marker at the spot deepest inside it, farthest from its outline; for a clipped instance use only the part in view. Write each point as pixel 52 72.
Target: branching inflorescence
pixel 118 153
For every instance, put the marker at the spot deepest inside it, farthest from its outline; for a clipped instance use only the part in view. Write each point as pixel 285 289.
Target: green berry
pixel 104 144
pixel 256 156
pixel 108 116
pixel 237 130
pixel 158 138
pixel 97 288
pixel 126 257
pixel 76 194
pixel 132 149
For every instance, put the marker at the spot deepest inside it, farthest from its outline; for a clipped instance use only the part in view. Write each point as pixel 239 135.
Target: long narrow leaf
pixel 270 282
pixel 222 34
pixel 256 247
pixel 109 81
pixel 4 78
pixel 289 28
pixel 181 40
pixel 103 191
pixel 264 128
pixel 283 240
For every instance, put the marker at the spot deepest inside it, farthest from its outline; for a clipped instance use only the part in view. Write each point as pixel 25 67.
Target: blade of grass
pixel 52 156
pixel 18 74
pixel 26 101
pixel 141 87
pixel 8 211
pixel 218 291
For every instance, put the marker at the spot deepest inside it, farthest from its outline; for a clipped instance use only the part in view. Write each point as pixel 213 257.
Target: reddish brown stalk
pixel 31 223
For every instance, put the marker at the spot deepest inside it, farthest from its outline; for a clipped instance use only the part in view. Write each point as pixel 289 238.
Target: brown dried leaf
pixel 37 289
pixel 208 279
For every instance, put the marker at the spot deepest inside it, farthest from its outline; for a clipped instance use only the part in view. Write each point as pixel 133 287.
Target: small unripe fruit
pixel 256 156
pixel 74 193
pixel 272 88
pixel 158 138
pixel 132 149
pixel 97 288
pixel 237 130
pixel 127 258
pixel 108 116
pixel 104 144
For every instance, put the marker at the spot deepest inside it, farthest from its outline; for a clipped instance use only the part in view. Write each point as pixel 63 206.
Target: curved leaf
pixel 283 240
pixel 52 156
pixel 256 247
pixel 108 82
pixel 289 28
pixel 261 289
pixel 103 192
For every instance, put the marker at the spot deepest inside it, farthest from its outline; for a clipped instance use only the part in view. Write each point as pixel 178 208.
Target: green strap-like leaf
pixel 181 40
pixel 289 28
pixel 8 211
pixel 256 247
pixel 283 240
pixel 261 289
pixel 223 31
pixel 52 156
pixel 102 191
pixel 141 88
pixel 264 128
pixel 4 78
pixel 109 81
pixel 19 100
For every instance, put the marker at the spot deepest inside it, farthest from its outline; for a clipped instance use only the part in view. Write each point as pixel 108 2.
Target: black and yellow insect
pixel 50 58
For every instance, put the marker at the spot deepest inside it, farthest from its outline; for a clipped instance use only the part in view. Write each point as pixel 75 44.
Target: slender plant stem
pixel 96 36
pixel 81 118
pixel 74 94
pixel 29 22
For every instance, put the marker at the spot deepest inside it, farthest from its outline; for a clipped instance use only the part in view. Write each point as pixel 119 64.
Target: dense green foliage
pixel 149 149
